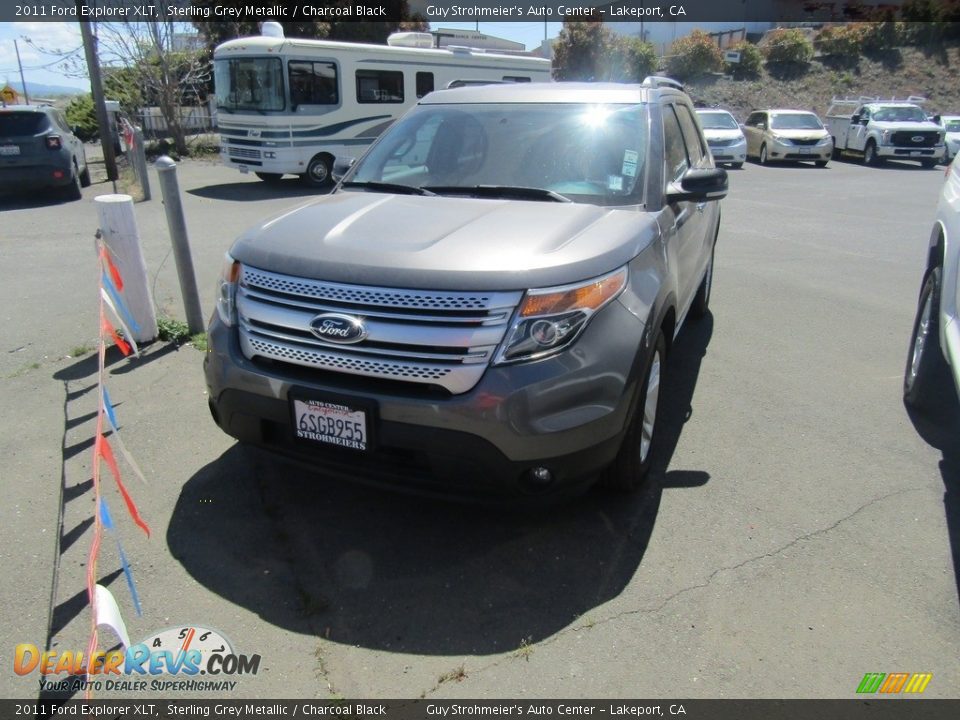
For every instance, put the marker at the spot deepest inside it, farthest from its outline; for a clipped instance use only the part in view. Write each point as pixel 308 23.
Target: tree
pixel 788 46
pixel 751 61
pixel 693 55
pixel 589 51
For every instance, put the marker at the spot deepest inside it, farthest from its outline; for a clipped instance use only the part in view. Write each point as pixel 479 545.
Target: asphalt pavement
pixel 801 528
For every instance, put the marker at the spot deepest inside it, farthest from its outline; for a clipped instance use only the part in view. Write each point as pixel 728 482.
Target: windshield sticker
pixel 630 158
pixel 615 182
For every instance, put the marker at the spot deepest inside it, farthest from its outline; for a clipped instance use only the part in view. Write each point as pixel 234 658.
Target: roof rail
pixel 865 99
pixel 662 81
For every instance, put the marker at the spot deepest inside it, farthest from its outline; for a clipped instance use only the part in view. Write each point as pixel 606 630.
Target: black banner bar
pixel 439 11
pixel 874 708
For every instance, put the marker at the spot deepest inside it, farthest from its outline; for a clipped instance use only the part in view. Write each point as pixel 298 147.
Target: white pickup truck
pixel 881 129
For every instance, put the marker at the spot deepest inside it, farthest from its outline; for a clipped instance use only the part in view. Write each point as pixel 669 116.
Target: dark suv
pixel 39 150
pixel 486 302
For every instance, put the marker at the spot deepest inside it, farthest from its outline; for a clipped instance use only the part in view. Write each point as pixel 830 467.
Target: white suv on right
pixel 935 343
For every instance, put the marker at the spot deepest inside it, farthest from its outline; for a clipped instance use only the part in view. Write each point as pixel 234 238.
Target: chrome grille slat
pixel 243 152
pixel 437 337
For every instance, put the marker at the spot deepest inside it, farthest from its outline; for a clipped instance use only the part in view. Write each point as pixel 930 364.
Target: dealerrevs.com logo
pixel 894 683
pixel 186 653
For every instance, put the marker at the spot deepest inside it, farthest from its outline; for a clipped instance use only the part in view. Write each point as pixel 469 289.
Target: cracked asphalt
pixel 800 530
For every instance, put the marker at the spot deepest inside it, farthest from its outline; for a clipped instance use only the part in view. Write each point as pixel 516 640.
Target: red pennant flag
pixel 120 342
pixel 114 273
pixel 104 450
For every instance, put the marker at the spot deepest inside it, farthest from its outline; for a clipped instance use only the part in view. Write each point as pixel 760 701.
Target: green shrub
pixel 751 60
pixel 788 46
pixel 839 40
pixel 694 55
pixel 885 35
pixel 627 59
pixel 82 116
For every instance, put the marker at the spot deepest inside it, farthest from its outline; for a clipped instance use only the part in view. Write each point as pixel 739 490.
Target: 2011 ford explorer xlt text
pixel 486 302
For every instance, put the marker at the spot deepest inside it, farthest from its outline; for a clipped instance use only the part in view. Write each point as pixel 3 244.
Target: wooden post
pixel 119 230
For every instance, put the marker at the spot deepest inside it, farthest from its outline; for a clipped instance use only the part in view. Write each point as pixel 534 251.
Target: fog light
pixel 540 476
pixel 270 155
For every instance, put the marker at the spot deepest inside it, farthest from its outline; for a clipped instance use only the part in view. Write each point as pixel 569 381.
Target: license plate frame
pixel 320 412
pixel 9 150
pixel 806 151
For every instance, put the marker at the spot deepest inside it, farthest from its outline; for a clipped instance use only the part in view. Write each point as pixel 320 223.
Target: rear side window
pixel 691 134
pixel 379 86
pixel 23 123
pixel 424 83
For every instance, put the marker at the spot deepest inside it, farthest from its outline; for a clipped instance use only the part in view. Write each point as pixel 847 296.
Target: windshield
pixel 13 124
pixel 899 114
pixel 585 153
pixel 952 125
pixel 795 121
pixel 249 84
pixel 717 121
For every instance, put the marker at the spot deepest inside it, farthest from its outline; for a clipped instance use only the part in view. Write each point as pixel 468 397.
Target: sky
pixel 65 36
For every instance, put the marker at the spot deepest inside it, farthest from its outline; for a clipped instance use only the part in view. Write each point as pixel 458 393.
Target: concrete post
pixel 140 162
pixel 170 190
pixel 118 228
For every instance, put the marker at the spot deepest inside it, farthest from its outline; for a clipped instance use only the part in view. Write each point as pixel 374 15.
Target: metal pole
pixel 96 86
pixel 119 230
pixel 26 96
pixel 170 190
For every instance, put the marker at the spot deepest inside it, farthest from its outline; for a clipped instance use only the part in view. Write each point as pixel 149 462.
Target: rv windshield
pixel 249 83
pixel 585 153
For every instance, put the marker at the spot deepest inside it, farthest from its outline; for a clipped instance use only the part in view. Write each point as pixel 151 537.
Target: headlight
pixel 885 137
pixel 825 140
pixel 227 290
pixel 550 319
pixel 780 139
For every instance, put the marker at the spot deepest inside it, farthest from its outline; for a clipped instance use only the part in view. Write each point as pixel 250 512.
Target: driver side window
pixel 674 151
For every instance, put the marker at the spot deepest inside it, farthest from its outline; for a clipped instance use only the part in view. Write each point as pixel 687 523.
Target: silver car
pixel 791 135
pixel 935 343
pixel 486 302
pixel 724 136
pixel 951 126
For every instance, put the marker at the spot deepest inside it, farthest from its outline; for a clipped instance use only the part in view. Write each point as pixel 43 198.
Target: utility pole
pixel 96 86
pixel 26 97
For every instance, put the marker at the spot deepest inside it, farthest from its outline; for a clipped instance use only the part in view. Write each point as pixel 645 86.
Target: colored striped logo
pixel 893 683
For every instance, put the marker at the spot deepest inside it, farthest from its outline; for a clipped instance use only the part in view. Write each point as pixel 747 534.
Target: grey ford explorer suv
pixel 486 302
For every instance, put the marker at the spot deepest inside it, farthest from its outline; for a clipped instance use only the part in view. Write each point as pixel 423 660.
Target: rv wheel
pixel 318 171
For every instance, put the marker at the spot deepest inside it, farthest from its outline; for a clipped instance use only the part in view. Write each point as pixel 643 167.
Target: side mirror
pixel 855 119
pixel 341 166
pixel 936 119
pixel 699 185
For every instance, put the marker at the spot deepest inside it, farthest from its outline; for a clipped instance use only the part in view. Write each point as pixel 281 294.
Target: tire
pixel 318 172
pixel 271 178
pixel 73 191
pixel 85 176
pixel 736 166
pixel 836 152
pixel 926 378
pixel 820 163
pixel 763 154
pixel 929 163
pixel 632 464
pixel 870 156
pixel 701 301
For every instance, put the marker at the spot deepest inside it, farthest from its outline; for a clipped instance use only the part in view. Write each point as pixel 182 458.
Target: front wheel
pixel 870 156
pixel 737 166
pixel 701 301
pixel 820 163
pixel 928 163
pixel 926 378
pixel 74 191
pixel 318 171
pixel 763 154
pixel 632 464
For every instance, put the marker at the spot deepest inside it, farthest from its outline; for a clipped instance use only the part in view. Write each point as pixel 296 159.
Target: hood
pixel 805 134
pixel 729 134
pixel 906 126
pixel 445 243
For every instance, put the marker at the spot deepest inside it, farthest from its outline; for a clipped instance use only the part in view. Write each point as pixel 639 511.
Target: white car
pixel 935 345
pixel 951 125
pixel 724 136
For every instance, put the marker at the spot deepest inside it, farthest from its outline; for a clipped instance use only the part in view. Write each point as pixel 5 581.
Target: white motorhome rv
pixel 292 106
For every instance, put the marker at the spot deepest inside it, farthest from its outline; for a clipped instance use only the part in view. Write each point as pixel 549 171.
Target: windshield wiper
pixel 492 191
pixel 389 187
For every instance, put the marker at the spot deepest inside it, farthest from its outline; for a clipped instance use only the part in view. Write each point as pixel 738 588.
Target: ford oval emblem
pixel 337 328
pixel 917 138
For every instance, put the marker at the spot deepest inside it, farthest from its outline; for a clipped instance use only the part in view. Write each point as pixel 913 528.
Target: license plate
pixel 331 423
pixel 244 169
pixel 9 149
pixel 916 152
pixel 805 151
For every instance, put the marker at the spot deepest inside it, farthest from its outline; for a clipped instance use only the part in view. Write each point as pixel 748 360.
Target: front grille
pixel 442 338
pixel 242 152
pixel 721 143
pixel 915 138
pixel 804 141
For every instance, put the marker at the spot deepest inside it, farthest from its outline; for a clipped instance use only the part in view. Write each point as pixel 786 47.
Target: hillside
pixel 902 72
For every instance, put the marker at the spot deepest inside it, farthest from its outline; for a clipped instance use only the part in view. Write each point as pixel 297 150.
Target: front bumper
pixel 736 153
pixel 783 151
pixel 908 153
pixel 566 414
